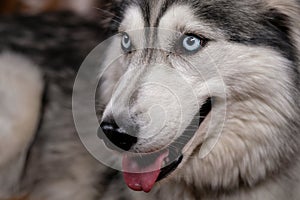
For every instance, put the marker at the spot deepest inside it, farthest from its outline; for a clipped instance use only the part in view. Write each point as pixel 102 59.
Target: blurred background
pixel 45 32
pixel 83 7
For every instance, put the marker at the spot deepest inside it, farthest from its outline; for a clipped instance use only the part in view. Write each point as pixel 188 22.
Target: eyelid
pixel 177 45
pixel 197 33
pixel 200 36
pixel 204 40
pixel 122 33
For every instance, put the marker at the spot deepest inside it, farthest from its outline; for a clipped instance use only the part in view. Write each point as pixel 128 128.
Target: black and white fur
pixel 255 46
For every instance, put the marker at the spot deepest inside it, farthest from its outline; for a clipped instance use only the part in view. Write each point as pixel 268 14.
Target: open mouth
pixel 141 172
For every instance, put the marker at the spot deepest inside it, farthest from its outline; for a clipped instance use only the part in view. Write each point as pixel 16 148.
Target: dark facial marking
pixel 250 24
pixel 144 5
pixel 166 5
pixel 243 22
pixel 118 10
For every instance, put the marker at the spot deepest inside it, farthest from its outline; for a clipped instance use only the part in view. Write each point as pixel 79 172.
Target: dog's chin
pixel 153 167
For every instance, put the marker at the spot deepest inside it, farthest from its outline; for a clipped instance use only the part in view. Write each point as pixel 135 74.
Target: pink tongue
pixel 141 179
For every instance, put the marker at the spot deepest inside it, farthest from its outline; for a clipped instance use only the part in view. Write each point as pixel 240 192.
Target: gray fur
pixel 252 45
pixel 256 156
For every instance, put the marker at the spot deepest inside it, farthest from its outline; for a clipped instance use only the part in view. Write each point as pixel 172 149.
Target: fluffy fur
pixel 252 45
pixel 250 66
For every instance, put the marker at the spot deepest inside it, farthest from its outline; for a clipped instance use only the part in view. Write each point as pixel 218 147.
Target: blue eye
pixel 126 43
pixel 191 44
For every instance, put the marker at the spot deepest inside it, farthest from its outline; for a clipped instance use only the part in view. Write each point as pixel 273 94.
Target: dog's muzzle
pixel 141 171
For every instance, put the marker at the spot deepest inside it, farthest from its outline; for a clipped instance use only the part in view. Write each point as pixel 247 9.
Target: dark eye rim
pixel 126 50
pixel 179 48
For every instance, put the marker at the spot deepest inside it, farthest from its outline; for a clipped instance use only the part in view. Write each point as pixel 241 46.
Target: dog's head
pixel 204 88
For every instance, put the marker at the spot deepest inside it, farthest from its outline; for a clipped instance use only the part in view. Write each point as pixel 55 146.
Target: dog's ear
pixel 112 13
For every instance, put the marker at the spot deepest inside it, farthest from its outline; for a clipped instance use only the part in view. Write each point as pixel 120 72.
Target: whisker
pixel 109 13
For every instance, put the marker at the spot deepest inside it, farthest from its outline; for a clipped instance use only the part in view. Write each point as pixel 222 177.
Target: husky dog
pixel 200 97
pixel 231 65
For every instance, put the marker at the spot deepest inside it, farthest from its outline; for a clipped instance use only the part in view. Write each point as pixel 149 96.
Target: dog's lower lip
pixel 165 171
pixel 204 111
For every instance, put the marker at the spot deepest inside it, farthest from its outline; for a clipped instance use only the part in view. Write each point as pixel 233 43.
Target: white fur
pixel 133 20
pixel 256 137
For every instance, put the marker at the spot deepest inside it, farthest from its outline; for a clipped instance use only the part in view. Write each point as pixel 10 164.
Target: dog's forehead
pixel 179 17
pixel 234 18
pixel 240 21
pixel 221 11
pixel 133 19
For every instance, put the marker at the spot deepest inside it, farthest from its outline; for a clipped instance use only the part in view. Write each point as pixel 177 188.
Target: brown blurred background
pixel 86 8
pixel 83 7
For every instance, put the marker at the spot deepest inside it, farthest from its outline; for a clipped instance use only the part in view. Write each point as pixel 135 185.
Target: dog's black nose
pixel 116 137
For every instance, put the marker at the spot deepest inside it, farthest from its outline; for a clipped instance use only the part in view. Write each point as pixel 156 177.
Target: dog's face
pixel 200 91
